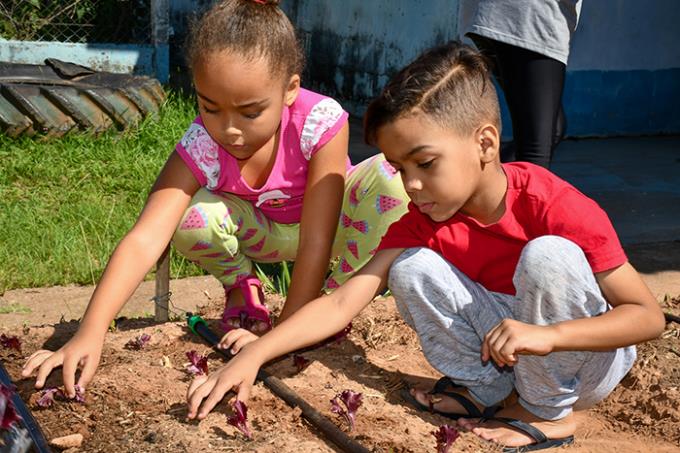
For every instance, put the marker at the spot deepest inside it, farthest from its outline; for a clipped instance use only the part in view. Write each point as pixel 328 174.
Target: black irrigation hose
pixel 671 318
pixel 328 428
pixel 39 441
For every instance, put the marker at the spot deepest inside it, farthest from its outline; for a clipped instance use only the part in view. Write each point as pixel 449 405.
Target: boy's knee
pixel 545 254
pixel 413 265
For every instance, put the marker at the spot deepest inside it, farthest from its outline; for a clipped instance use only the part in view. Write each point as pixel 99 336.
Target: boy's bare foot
pixel 503 434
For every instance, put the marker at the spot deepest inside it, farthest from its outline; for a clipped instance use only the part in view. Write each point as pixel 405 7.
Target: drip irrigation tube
pixel 34 431
pixel 328 428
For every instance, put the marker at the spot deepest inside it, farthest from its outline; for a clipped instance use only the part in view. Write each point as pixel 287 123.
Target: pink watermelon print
pixel 201 245
pixel 195 220
pixel 259 218
pixel 250 233
pixel 239 224
pixel 230 270
pixel 213 255
pixel 353 248
pixel 353 199
pixel 345 267
pixel 384 203
pixel 332 284
pixel 257 247
pixel 387 170
pixel 270 256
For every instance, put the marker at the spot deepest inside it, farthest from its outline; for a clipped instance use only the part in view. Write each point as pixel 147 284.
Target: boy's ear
pixel 489 143
pixel 292 90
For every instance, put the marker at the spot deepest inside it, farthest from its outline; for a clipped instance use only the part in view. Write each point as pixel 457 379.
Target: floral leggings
pixel 224 234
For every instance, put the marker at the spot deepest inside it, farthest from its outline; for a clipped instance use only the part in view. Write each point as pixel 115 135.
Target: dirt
pixel 136 403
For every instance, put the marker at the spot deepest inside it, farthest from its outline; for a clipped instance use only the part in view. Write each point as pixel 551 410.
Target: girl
pixel 513 296
pixel 259 175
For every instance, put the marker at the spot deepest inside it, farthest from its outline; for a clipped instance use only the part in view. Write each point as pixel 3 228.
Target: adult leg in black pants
pixel 532 84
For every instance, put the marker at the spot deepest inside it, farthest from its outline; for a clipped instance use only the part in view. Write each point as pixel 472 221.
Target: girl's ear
pixel 489 143
pixel 292 90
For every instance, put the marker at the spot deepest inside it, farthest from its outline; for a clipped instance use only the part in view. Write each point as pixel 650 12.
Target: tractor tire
pixel 60 97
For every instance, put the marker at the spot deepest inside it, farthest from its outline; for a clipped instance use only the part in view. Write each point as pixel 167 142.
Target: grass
pixel 66 203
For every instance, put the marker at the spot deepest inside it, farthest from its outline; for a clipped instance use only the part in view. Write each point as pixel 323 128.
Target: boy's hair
pixel 252 28
pixel 450 83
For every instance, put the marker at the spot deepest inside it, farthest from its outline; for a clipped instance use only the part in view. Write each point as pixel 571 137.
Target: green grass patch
pixel 13 308
pixel 66 203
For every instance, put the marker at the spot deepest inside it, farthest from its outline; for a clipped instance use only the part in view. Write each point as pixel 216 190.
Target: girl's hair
pixel 451 84
pixel 251 28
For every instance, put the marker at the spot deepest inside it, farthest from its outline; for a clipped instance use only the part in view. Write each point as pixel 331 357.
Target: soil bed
pixel 136 402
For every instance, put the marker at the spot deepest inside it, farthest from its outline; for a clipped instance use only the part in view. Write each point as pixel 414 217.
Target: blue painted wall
pixel 623 76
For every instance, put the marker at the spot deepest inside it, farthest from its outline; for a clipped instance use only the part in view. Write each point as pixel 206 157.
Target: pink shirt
pixel 306 126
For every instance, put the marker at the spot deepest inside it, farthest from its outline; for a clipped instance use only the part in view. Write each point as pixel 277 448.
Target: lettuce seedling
pixel 240 418
pixel 446 436
pixel 199 363
pixel 48 396
pixel 10 342
pixel 352 402
pixel 138 343
pixel 300 362
pixel 8 413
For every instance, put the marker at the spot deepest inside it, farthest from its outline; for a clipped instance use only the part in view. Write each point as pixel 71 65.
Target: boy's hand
pixel 239 374
pixel 77 353
pixel 236 339
pixel 509 338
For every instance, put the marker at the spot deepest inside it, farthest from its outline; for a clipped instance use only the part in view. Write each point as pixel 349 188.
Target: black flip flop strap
pixel 445 382
pixel 442 384
pixel 526 428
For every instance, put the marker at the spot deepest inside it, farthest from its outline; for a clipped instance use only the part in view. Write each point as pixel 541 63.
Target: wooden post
pixel 162 297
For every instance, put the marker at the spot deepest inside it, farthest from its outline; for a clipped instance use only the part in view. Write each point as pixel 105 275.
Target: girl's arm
pixel 635 317
pixel 317 320
pixel 320 213
pixel 134 256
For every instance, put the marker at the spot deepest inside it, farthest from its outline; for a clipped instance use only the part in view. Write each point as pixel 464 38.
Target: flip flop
pixel 542 441
pixel 440 389
pixel 251 311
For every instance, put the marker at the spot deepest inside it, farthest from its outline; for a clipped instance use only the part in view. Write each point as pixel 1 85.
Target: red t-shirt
pixel 538 203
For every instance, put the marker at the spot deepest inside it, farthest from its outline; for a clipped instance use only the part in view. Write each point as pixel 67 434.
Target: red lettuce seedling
pixel 446 436
pixel 199 363
pixel 300 362
pixel 352 401
pixel 8 414
pixel 138 343
pixel 10 342
pixel 240 418
pixel 47 397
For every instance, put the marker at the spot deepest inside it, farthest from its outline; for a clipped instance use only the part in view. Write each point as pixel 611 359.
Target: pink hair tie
pixel 261 2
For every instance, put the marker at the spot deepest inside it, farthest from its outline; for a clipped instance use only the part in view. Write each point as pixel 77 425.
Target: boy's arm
pixel 312 323
pixel 320 213
pixel 129 263
pixel 635 317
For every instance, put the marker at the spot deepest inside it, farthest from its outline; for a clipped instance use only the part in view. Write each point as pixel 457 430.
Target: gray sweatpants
pixel 451 315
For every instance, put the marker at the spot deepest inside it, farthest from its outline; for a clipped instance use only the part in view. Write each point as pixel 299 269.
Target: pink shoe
pixel 251 311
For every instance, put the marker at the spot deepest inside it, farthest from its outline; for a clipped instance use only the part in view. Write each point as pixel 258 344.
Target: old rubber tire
pixel 59 97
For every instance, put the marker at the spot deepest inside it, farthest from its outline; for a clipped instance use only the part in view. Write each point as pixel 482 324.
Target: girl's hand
pixel 509 338
pixel 238 374
pixel 236 339
pixel 81 353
